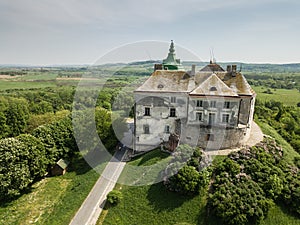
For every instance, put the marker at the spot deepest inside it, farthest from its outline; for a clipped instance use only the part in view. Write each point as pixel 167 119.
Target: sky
pixel 49 32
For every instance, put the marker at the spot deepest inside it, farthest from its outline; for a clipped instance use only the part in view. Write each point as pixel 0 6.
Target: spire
pixel 172 49
pixel 171 63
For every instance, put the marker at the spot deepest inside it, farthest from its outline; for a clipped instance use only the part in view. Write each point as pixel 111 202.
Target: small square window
pixel 199 103
pixel 172 112
pixel 147 111
pixel 173 99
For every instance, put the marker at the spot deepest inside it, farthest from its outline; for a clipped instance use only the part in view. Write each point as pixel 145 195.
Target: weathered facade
pixel 211 108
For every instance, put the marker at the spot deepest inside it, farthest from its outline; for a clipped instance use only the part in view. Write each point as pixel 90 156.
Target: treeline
pixel 285 119
pixel 276 81
pixel 36 130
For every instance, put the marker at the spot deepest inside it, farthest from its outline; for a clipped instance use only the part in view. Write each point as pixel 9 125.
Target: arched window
pixel 213 89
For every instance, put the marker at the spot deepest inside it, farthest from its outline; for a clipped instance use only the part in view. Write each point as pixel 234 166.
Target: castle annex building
pixel 211 108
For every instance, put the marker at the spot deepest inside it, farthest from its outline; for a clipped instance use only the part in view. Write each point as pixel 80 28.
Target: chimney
pixel 233 70
pixel 193 72
pixel 228 68
pixel 157 67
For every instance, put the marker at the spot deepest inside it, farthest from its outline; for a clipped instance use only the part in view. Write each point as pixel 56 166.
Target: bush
pixel 186 181
pixel 114 197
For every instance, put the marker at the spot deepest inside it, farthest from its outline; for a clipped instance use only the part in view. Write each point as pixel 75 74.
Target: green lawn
pixel 53 200
pixel 288 97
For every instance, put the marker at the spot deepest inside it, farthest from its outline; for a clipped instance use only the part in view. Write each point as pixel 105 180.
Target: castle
pixel 211 108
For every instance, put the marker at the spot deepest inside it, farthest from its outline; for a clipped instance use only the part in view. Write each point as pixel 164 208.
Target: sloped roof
pixel 213 86
pixel 212 67
pixel 225 83
pixel 238 83
pixel 166 81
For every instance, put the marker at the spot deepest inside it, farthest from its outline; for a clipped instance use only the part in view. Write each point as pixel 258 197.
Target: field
pixel 288 97
pixel 53 200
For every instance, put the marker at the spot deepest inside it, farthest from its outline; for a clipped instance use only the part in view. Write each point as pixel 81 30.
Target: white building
pixel 210 108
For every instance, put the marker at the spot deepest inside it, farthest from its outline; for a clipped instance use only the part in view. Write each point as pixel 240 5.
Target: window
pixel 173 99
pixel 172 112
pixel 213 89
pixel 147 111
pixel 199 103
pixel 211 118
pixel 167 129
pixel 226 105
pixel 199 116
pixel 146 129
pixel 213 104
pixel 225 118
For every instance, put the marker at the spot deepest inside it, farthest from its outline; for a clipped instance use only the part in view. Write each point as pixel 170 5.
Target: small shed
pixel 60 167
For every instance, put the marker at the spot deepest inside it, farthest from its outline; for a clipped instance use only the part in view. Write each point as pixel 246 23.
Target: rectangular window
pixel 199 116
pixel 173 99
pixel 211 118
pixel 225 118
pixel 213 104
pixel 226 105
pixel 167 129
pixel 199 103
pixel 146 129
pixel 172 112
pixel 147 111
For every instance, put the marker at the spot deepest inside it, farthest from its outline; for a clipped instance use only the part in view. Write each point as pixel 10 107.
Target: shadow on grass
pixel 152 157
pixel 286 210
pixel 206 218
pixel 162 199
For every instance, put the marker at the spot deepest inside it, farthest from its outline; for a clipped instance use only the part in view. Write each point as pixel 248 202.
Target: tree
pixel 17 115
pixel 114 197
pixel 36 158
pixel 239 201
pixel 186 181
pixel 14 168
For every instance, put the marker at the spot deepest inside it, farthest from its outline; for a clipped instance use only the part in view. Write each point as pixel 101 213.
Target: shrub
pixel 114 197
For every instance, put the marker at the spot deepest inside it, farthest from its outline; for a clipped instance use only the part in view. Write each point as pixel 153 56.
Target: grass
pixel 288 97
pixel 155 205
pixel 53 200
pixel 278 215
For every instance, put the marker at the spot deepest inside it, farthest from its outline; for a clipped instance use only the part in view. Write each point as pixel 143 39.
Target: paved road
pixel 92 206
